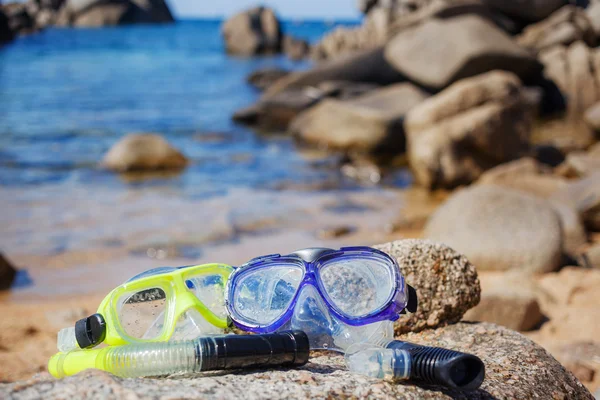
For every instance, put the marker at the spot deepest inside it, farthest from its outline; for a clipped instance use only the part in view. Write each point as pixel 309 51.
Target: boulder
pixel 438 52
pixel 372 122
pixel 500 229
pixel 575 71
pixel 529 10
pixel 565 26
pixel 275 112
pixel 19 20
pixel 528 175
pixel 265 77
pixel 6 34
pixel 581 359
pixel 388 18
pixel 251 32
pixel 593 13
pixel 158 10
pixel 7 273
pixel 445 281
pixel 96 13
pixel 592 116
pixel 516 367
pixel 571 305
pixel 506 301
pixel 475 124
pixel 525 174
pixel 579 164
pixel 294 48
pixel 364 67
pixel 143 152
pixel 345 90
pixel 583 195
pixel 590 258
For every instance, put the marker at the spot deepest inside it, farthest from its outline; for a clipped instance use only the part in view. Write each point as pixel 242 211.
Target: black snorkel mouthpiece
pixel 443 367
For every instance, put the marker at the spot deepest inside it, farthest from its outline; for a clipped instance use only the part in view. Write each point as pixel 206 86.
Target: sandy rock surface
pixel 515 368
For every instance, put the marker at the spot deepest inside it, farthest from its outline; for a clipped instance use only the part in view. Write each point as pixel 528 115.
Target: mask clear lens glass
pixel 263 295
pixel 357 287
pixel 210 290
pixel 142 313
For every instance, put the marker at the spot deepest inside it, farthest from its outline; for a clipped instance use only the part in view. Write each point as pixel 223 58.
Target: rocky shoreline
pixel 22 18
pixel 494 102
pixel 496 111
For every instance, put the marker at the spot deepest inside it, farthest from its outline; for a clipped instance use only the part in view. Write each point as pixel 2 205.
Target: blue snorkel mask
pixel 338 297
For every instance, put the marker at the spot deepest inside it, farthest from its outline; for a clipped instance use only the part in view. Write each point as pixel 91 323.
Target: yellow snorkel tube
pixel 286 348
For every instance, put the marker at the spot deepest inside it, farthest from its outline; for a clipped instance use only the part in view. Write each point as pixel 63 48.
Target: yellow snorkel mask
pixel 155 306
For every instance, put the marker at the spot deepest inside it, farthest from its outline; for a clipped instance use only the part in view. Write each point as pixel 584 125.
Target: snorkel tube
pixel 407 361
pixel 287 348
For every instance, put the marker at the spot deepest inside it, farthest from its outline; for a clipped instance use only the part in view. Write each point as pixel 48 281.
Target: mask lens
pixel 263 295
pixel 142 313
pixel 210 290
pixel 357 287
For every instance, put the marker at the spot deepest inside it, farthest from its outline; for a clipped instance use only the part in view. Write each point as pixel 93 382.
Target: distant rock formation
pixel 258 31
pixel 34 15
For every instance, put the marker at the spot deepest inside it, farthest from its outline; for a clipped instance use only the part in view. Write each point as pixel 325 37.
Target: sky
pixel 313 9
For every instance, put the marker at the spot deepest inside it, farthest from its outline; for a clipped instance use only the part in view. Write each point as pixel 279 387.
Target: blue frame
pixel 391 309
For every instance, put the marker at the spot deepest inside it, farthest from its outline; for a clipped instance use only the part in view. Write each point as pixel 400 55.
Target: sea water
pixel 67 95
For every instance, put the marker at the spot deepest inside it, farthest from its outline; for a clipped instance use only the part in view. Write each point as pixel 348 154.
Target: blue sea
pixel 67 95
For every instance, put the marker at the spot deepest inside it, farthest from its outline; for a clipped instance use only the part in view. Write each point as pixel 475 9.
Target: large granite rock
pixel 445 281
pixel 530 10
pixel 565 26
pixel 96 13
pixel 592 116
pixel 473 125
pixel 530 176
pixel 295 48
pixel 6 33
pixel 18 18
pixel 365 67
pixel 143 152
pixel 7 273
pixel 579 164
pixel 525 174
pixel 389 17
pixel 251 32
pixel 265 77
pixel 576 72
pixel 583 195
pixel 515 368
pixel 438 52
pixel 372 122
pixel 508 300
pixel 499 229
pixel 593 13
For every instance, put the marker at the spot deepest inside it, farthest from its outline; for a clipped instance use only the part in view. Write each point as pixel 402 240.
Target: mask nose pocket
pixel 312 316
pixel 191 324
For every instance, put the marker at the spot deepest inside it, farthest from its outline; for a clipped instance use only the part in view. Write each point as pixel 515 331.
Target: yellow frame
pixel 179 299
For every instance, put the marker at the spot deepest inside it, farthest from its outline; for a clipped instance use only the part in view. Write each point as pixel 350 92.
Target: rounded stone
pixel 500 229
pixel 445 281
